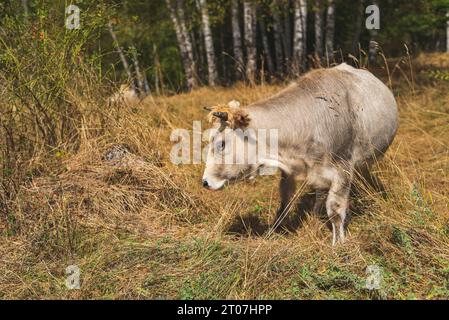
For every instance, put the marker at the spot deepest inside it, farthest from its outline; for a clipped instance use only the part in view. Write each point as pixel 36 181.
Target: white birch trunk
pixel 299 36
pixel 237 38
pixel 122 56
pixel 287 33
pixel 141 77
pixel 373 45
pixel 277 34
pixel 319 28
pixel 192 74
pixel 330 30
pixel 158 79
pixel 266 46
pixel 358 26
pixel 209 43
pixel 185 45
pixel 250 40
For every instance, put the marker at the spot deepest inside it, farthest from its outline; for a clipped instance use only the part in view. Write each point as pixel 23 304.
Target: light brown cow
pixel 330 123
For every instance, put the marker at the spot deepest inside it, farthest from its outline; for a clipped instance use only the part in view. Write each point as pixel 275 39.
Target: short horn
pixel 208 108
pixel 222 115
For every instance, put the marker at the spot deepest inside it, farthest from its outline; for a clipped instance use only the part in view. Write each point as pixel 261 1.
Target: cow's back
pixel 341 111
pixel 375 112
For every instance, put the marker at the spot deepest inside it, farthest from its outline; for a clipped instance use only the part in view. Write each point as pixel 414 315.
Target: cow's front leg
pixel 320 199
pixel 337 204
pixel 287 189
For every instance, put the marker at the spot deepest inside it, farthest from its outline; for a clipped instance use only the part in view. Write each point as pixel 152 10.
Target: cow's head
pixel 231 146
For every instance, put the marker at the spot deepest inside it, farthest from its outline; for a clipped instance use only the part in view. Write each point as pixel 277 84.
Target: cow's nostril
pixel 205 184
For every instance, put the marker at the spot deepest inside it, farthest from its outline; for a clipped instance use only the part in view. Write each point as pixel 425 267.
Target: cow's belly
pixel 321 177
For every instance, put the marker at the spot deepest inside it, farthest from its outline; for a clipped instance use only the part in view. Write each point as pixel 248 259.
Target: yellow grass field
pixel 144 228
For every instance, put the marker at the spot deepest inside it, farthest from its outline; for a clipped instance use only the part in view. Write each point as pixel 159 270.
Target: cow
pixel 330 123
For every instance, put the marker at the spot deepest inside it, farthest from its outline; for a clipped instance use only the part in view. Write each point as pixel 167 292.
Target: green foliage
pixel 437 74
pixel 147 27
pixel 40 65
pixel 412 22
pixel 44 70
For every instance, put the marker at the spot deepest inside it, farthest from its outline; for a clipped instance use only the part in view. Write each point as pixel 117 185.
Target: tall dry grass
pixel 140 227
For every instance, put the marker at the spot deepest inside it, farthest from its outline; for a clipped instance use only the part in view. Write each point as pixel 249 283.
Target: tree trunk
pixel 209 43
pixel 192 75
pixel 277 33
pixel 157 65
pixel 237 39
pixel 184 42
pixel 319 28
pixel 330 30
pixel 122 56
pixel 158 76
pixel 266 46
pixel 373 45
pixel 287 34
pixel 142 81
pixel 250 40
pixel 299 37
pixel 373 48
pixel 200 51
pixel 222 39
pixel 197 37
pixel 358 27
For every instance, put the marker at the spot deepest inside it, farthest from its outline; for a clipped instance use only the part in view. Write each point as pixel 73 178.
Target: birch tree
pixel 373 45
pixel 299 36
pixel 318 28
pixel 358 27
pixel 185 45
pixel 122 56
pixel 158 78
pixel 266 46
pixel 277 35
pixel 209 44
pixel 141 77
pixel 373 48
pixel 287 38
pixel 249 9
pixel 330 30
pixel 237 37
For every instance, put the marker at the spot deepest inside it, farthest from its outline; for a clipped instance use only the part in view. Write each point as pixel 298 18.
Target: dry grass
pixel 145 228
pixel 435 60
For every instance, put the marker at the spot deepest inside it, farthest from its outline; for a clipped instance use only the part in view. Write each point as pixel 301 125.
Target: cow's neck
pixel 259 121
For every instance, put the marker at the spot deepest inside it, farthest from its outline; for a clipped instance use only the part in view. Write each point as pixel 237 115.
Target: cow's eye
pixel 221 145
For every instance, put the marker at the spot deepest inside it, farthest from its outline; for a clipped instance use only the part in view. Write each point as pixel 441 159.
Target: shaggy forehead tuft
pixel 237 118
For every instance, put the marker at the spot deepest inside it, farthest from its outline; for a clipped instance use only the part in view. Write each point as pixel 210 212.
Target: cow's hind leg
pixel 337 204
